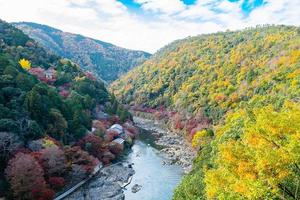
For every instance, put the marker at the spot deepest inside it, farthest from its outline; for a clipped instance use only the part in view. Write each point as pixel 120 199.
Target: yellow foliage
pixel 199 138
pixel 78 78
pixel 48 143
pixel 25 64
pixel 262 158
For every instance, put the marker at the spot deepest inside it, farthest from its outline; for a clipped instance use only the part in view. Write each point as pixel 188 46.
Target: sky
pixel 150 24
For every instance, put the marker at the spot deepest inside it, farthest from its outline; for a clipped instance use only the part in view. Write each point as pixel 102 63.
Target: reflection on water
pixel 157 180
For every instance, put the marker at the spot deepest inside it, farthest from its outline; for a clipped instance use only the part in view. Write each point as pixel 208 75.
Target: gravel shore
pixel 107 185
pixel 176 148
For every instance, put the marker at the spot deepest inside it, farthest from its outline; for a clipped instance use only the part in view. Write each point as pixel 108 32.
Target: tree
pixel 25 64
pixel 77 157
pixel 57 124
pixel 25 175
pixel 9 143
pixel 92 144
pixel 53 161
pixel 263 162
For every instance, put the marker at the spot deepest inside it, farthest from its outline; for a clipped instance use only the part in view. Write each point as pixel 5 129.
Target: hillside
pixel 48 107
pixel 214 73
pixel 102 59
pixel 236 96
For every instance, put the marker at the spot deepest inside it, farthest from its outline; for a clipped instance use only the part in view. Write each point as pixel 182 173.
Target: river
pixel 157 180
pixel 148 165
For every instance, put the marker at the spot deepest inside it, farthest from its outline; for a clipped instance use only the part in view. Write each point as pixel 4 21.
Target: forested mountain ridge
pixel 213 73
pixel 236 96
pixel 48 106
pixel 104 60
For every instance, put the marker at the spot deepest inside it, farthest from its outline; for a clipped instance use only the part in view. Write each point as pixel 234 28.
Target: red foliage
pixel 114 119
pixel 107 157
pixel 92 144
pixel 178 121
pixel 42 194
pixel 56 182
pixel 64 93
pixel 101 125
pixel 131 135
pixel 191 124
pixel 24 175
pixel 197 123
pixel 116 148
pixel 132 129
pixel 110 135
pixel 90 76
pixel 77 156
pixel 37 71
pixel 53 161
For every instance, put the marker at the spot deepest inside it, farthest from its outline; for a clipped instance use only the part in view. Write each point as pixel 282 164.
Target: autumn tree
pixel 258 155
pixel 25 175
pixel 53 161
pixel 25 64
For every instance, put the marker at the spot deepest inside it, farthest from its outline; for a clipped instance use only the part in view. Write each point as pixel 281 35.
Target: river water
pixel 158 180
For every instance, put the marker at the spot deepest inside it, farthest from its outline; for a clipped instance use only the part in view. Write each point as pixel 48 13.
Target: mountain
pixel 104 60
pixel 236 97
pixel 47 106
pixel 213 73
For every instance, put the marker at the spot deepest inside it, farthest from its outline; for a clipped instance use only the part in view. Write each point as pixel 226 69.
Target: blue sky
pixel 150 24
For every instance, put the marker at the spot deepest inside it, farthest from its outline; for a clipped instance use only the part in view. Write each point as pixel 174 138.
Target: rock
pixel 177 150
pixel 105 186
pixel 136 188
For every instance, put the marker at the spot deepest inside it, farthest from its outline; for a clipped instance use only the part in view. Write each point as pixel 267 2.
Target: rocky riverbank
pixel 107 185
pixel 176 149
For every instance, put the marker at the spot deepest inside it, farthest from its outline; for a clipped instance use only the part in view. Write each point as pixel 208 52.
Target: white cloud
pixel 163 22
pixel 277 12
pixel 163 6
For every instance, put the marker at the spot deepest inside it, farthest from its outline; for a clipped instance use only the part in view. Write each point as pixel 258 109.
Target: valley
pixel 213 116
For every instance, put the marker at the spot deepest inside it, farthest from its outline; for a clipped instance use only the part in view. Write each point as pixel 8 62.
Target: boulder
pixel 136 188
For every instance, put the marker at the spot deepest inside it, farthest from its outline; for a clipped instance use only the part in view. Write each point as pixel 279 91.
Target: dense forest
pixel 104 60
pixel 236 97
pixel 47 108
